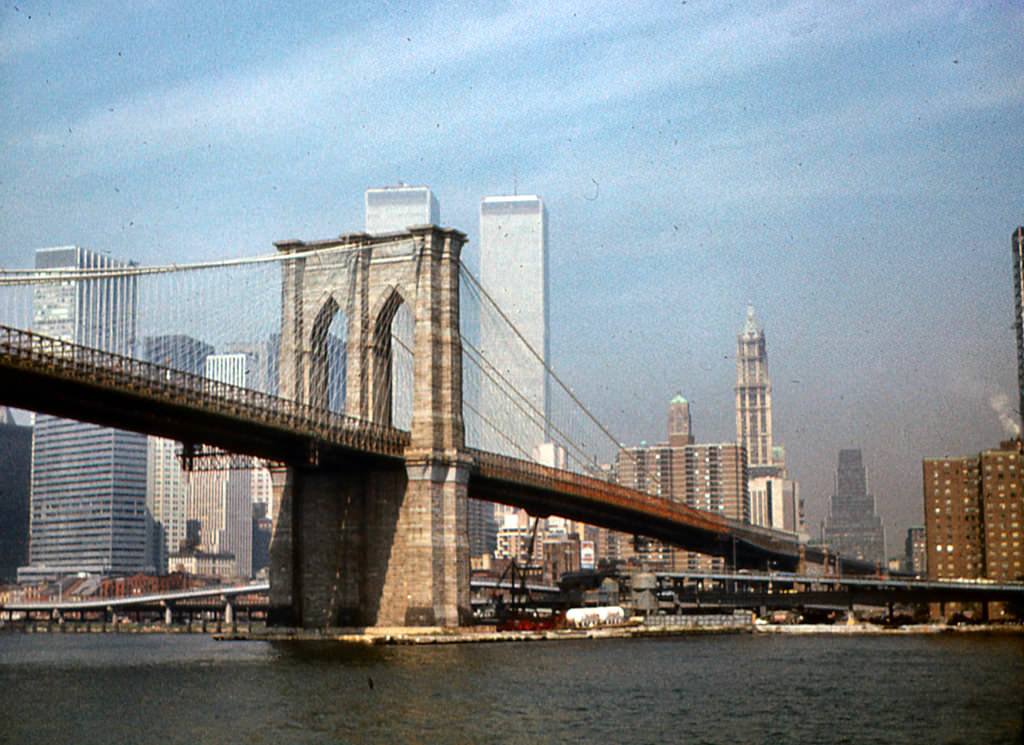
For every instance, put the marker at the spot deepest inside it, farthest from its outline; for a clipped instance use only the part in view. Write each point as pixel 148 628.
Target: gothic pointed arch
pixel 328 343
pixel 382 355
pixel 320 353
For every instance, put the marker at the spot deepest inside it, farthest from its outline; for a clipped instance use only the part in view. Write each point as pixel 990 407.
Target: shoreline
pixel 405 636
pixel 474 635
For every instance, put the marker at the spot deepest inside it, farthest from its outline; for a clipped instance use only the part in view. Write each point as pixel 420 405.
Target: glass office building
pixel 514 273
pixel 393 209
pixel 88 484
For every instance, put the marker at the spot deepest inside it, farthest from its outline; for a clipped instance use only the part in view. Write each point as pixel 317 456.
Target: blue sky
pixel 853 169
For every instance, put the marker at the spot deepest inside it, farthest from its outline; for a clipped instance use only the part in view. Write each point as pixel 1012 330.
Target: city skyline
pixel 514 274
pixel 850 170
pixel 751 363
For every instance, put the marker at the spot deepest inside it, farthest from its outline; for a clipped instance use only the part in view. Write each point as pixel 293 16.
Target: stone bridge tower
pixel 359 541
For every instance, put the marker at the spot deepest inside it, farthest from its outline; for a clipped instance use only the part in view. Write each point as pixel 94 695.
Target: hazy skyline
pixel 854 171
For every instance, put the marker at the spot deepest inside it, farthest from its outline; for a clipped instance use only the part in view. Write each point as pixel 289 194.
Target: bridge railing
pixel 495 465
pixel 532 474
pixel 95 366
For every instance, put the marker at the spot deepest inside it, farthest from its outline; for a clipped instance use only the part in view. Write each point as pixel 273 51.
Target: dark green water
pixel 122 688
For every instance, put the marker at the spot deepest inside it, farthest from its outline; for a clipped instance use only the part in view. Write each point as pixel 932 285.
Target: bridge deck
pixel 56 377
pixel 551 491
pixel 70 380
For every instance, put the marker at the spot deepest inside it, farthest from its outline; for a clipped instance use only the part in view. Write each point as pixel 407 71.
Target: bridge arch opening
pixel 392 362
pixel 328 354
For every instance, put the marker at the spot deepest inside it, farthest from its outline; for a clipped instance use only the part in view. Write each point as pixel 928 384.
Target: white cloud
pixel 372 90
pixel 322 80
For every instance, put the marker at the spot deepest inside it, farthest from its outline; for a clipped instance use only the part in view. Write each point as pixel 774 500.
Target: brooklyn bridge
pixel 372 521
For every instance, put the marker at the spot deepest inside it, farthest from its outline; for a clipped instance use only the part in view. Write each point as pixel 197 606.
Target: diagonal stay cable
pixel 582 457
pixel 465 272
pixel 538 419
pixel 572 448
pixel 497 430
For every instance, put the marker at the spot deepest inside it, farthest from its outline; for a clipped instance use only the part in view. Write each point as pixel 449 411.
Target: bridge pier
pixel 427 582
pixel 362 540
pixel 371 547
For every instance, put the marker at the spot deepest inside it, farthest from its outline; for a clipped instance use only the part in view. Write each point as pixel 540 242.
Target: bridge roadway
pixel 760 590
pixel 154 600
pixel 62 379
pixel 787 590
pixel 222 594
pixel 55 377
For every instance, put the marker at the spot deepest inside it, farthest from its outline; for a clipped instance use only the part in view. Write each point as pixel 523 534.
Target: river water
pixel 732 688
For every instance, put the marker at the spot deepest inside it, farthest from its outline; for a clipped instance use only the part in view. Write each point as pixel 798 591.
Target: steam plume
pixel 1000 404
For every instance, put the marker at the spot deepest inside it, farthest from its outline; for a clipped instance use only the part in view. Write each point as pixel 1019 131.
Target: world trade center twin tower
pixel 506 327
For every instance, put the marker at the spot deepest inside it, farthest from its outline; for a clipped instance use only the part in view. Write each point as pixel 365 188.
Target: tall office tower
pixel 393 209
pixel 262 362
pixel 1002 509
pixel 973 508
pixel 774 498
pixel 679 424
pixel 176 351
pixel 852 528
pixel 775 503
pixel 260 372
pixel 514 272
pixel 15 468
pixel 99 313
pixel 1017 241
pixel 233 369
pixel 483 528
pixel 916 551
pixel 220 502
pixel 165 497
pixel 166 482
pixel 754 400
pixel 954 531
pixel 715 479
pixel 514 393
pixel 88 483
pixel 646 468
